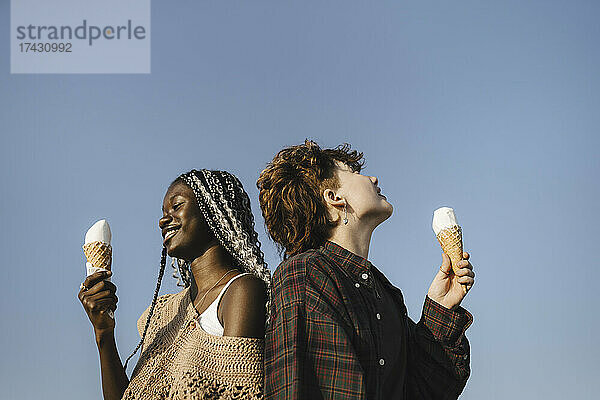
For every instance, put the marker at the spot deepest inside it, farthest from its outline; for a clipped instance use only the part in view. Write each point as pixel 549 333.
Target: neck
pixel 209 267
pixel 354 239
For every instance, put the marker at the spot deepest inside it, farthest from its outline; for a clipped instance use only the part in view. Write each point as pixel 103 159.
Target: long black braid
pixel 163 263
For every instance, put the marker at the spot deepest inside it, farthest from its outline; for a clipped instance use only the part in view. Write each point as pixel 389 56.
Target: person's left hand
pixel 447 287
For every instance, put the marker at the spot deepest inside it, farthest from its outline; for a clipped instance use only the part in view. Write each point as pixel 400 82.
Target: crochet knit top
pixel 180 361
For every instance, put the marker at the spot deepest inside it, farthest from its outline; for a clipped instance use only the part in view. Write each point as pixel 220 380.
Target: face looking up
pixel 363 197
pixel 184 230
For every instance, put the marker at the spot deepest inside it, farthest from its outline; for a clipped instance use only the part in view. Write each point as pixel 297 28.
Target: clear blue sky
pixel 488 107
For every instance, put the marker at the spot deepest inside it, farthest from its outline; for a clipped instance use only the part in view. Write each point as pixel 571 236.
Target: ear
pixel 333 199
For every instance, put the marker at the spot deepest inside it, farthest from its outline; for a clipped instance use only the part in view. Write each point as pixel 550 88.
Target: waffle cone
pixel 451 241
pixel 99 254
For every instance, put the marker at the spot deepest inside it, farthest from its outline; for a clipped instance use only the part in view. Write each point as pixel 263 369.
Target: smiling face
pixel 363 196
pixel 185 232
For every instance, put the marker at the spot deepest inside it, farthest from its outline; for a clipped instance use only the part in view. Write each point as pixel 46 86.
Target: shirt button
pixel 378 316
pixel 381 361
pixel 357 284
pixel 365 276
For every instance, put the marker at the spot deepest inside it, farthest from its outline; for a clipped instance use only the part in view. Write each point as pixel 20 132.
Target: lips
pixel 169 232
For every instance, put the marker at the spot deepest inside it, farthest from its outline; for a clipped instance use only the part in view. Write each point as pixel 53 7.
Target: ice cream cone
pixel 449 234
pixel 98 251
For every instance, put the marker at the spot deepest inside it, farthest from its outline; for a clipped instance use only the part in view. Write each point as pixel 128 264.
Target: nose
pixel 374 180
pixel 164 221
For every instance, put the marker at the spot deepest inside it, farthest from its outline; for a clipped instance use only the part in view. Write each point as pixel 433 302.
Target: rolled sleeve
pixel 446 325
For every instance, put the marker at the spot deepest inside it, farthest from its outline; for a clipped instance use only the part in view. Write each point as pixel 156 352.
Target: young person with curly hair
pixel 339 329
pixel 207 341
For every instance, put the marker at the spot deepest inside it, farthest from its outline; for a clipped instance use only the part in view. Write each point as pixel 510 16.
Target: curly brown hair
pixel 290 194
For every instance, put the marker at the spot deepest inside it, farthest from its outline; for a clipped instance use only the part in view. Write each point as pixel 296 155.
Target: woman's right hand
pixel 98 296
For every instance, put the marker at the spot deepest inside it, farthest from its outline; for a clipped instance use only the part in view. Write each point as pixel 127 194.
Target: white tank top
pixel 208 320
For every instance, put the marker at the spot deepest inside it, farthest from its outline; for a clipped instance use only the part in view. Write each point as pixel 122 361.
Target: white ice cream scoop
pixel 99 232
pixel 443 218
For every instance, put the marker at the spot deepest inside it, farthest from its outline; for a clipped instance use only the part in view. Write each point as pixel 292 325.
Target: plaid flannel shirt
pixel 324 337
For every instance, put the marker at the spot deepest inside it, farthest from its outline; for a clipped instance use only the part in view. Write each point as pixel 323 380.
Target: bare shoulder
pixel 242 308
pixel 247 287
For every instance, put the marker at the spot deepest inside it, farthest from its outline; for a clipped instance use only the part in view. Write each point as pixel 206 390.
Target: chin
pixel 382 213
pixel 387 214
pixel 175 251
pixel 172 252
pixel 389 208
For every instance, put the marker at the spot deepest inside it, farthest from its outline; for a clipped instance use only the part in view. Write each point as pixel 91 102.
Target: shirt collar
pixel 352 263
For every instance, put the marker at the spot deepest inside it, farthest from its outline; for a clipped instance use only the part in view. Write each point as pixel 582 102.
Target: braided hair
pixel 225 206
pixel 161 272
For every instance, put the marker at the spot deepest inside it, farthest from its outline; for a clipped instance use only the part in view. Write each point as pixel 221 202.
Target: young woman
pixel 207 341
pixel 339 328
